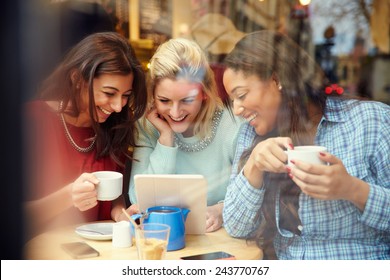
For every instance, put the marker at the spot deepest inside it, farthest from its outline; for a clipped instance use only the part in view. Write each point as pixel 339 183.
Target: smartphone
pixel 79 250
pixel 210 256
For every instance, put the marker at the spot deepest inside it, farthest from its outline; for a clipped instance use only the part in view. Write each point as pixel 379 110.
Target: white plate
pixel 97 231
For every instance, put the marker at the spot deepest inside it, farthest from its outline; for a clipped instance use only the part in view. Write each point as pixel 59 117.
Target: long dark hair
pixel 101 53
pixel 271 55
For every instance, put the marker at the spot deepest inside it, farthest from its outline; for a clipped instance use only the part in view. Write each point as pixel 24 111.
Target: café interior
pixel 350 40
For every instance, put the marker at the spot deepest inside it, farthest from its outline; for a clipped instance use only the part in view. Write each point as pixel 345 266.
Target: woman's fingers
pixel 84 194
pixel 270 155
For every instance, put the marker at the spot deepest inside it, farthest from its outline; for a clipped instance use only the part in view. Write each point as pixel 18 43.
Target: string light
pixel 304 2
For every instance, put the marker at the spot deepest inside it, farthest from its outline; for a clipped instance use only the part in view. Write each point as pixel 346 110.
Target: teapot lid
pixel 163 209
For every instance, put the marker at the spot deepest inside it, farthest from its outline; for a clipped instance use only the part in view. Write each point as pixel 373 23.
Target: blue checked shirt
pixel 359 134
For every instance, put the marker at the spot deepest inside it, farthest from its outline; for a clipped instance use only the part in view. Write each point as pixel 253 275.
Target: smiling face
pixel 111 93
pixel 179 103
pixel 255 100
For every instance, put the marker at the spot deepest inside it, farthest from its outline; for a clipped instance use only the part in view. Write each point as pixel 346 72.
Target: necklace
pixel 71 141
pixel 203 143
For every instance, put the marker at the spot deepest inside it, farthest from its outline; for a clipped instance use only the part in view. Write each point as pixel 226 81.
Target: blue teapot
pixel 174 217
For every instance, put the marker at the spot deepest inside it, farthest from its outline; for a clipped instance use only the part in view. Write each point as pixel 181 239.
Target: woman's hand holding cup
pixel 83 192
pixel 91 187
pixel 328 180
pixel 267 156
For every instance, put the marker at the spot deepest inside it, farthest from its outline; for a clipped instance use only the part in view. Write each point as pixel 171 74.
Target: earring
pixel 280 87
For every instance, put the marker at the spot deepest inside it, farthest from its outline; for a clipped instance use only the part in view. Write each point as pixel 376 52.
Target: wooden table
pixel 47 246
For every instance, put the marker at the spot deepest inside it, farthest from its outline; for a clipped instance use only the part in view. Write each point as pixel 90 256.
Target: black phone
pixel 210 256
pixel 79 250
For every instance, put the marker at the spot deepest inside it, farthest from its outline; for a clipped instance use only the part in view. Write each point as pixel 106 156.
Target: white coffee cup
pixel 110 185
pixel 309 154
pixel 121 235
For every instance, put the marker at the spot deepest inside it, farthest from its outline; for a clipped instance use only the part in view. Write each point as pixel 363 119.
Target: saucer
pixel 97 231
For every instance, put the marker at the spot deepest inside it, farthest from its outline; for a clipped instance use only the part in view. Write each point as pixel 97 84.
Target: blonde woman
pixel 186 130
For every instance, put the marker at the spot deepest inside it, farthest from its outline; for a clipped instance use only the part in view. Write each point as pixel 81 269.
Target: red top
pixel 54 163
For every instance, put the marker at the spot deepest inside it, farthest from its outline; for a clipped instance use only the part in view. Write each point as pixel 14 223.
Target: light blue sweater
pixel 214 162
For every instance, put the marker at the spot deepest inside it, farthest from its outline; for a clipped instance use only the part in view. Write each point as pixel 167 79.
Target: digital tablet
pixel 180 190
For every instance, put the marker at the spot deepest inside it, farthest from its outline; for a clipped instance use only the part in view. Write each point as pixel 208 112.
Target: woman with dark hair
pixel 84 121
pixel 336 211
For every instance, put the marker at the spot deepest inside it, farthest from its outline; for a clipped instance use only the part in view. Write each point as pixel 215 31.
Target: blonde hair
pixel 183 59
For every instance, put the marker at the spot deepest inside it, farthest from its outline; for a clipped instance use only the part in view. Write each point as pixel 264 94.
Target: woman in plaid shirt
pixel 338 211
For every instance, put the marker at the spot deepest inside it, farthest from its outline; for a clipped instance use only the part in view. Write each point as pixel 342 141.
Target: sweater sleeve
pixel 150 157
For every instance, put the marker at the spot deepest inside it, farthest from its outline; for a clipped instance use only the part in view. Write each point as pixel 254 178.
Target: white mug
pixel 307 154
pixel 110 185
pixel 121 235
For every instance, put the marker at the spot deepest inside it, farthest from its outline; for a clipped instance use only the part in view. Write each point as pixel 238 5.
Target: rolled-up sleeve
pixel 242 203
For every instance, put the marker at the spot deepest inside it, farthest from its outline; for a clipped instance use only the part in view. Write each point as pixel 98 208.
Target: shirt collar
pixel 335 110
